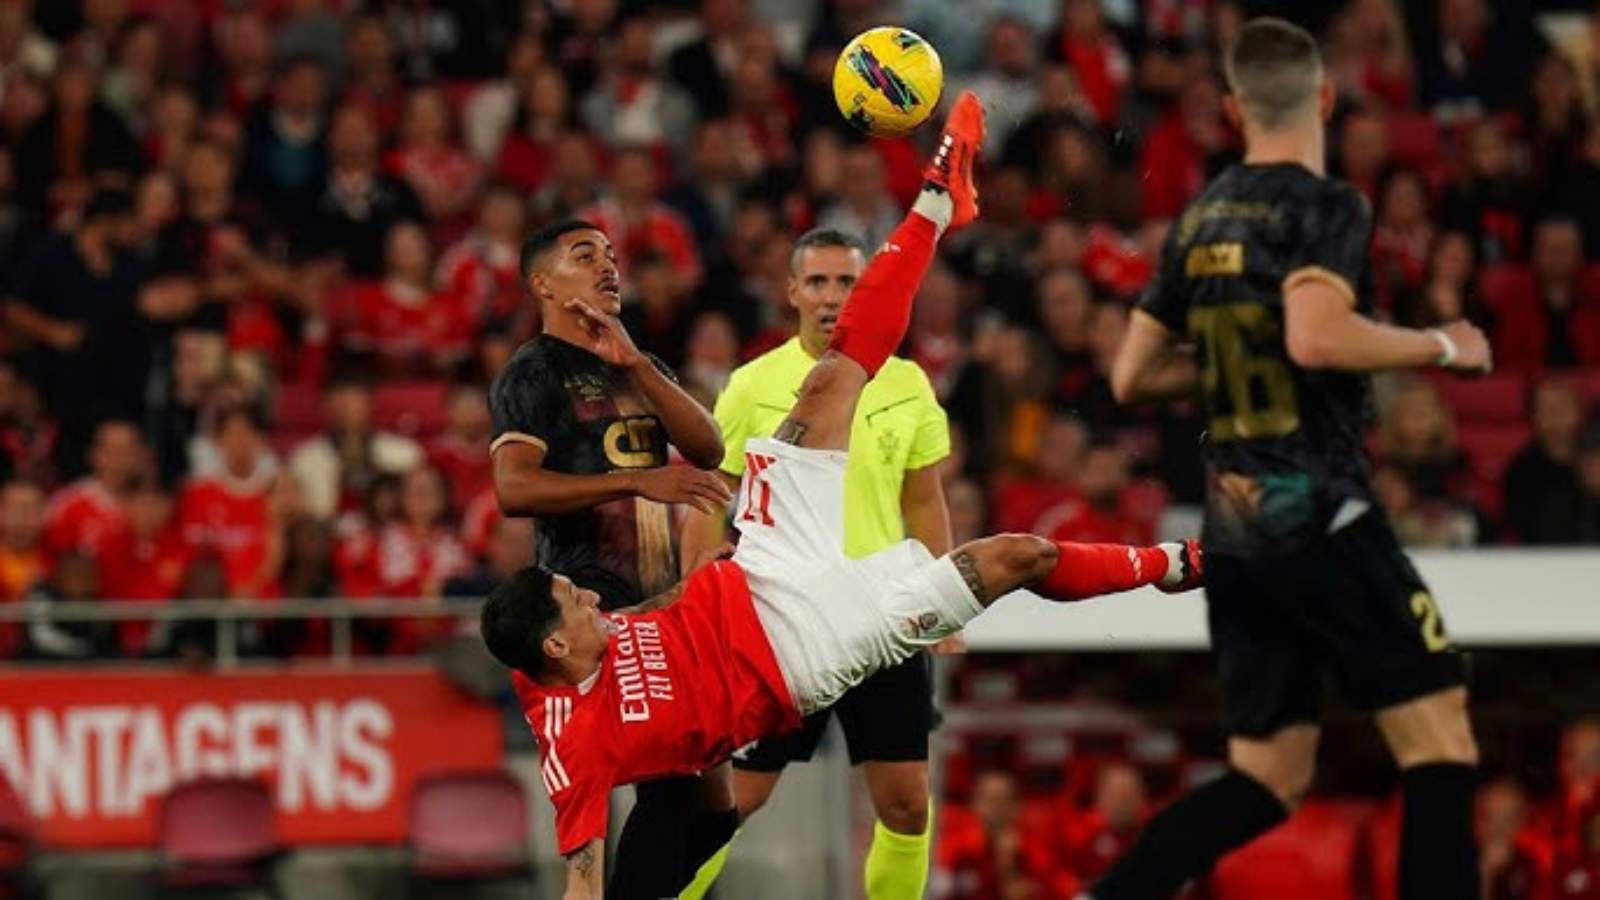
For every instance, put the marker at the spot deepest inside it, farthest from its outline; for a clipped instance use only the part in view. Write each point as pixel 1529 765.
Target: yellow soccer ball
pixel 887 81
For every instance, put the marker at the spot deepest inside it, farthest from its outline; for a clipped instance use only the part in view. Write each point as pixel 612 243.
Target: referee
pixel 1266 275
pixel 892 491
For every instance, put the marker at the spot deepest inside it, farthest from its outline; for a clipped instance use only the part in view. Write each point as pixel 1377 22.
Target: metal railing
pixel 341 615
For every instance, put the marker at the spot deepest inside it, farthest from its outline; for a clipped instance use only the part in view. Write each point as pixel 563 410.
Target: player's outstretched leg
pixel 878 311
pixel 1058 570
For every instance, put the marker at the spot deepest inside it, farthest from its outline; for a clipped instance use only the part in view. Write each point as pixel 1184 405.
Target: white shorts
pixel 832 620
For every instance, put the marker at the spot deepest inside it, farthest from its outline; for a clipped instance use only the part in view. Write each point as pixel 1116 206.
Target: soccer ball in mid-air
pixel 887 81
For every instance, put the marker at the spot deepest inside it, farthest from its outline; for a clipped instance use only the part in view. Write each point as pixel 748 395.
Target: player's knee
pixel 1431 729
pixel 905 811
pixel 1285 763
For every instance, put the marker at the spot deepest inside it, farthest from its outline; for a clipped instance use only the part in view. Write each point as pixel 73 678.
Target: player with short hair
pixel 581 423
pixel 1267 273
pixel 892 491
pixel 745 647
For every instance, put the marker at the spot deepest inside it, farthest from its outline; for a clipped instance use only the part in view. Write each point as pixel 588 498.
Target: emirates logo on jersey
pixel 641 671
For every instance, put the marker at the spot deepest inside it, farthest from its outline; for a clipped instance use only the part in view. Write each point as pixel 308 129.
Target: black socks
pixel 1438 856
pixel 654 845
pixel 1191 834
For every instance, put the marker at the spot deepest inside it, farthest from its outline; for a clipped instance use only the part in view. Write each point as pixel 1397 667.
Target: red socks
pixel 878 312
pixel 1089 570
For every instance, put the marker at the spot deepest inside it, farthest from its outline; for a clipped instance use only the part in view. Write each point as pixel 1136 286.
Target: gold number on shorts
pixel 1247 384
pixel 1427 614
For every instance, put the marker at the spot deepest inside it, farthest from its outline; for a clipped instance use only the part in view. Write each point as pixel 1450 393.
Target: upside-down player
pixel 1267 273
pixel 745 647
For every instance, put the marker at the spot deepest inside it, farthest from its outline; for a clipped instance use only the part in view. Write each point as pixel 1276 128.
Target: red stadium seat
pixel 1312 857
pixel 218 832
pixel 299 408
pixel 411 407
pixel 468 825
pixel 1498 398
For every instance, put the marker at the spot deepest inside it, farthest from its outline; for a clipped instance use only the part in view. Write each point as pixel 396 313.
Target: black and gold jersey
pixel 1284 445
pixel 590 419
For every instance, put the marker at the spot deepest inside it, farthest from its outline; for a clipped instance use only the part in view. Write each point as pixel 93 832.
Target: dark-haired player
pixel 790 623
pixel 1266 274
pixel 582 420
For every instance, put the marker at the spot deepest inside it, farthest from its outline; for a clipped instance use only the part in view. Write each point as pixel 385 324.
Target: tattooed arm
pixel 586 872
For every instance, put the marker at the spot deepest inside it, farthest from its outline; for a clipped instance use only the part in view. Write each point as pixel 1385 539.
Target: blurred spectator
pixel 632 105
pixel 147 565
pixel 308 559
pixel 1001 400
pixel 987 853
pixel 1066 315
pixel 74 578
pixel 527 155
pixel 653 309
pixel 336 470
pixel 510 548
pixel 244 50
pixel 1091 49
pixel 1449 288
pixel 80 301
pixel 236 514
pixel 994 250
pixel 1402 238
pixel 28 440
pixel 401 324
pixel 311 30
pixel 461 452
pixel 1183 149
pixel 639 224
pixel 77 142
pixel 22 557
pixel 1418 523
pixel 1578 193
pixel 1364 151
pixel 488 113
pixel 356 532
pixel 371 74
pixel 1476 60
pixel 285 152
pixel 1514 864
pixel 1544 468
pixel 417 554
pixel 1488 200
pixel 25 52
pixel 1062 447
pixel 707 196
pixel 128 87
pixel 865 207
pixel 1097 514
pixel 1008 78
pixel 359 206
pixel 1574 517
pixel 481 270
pixel 936 342
pixel 1558 328
pixel 1417 436
pixel 88 516
pixel 711 357
pixel 429 160
pixel 969 514
pixel 1578 874
pixel 451 41
pixel 1369 57
pixel 1578 786
pixel 706 66
pixel 1105 831
pixel 1554 121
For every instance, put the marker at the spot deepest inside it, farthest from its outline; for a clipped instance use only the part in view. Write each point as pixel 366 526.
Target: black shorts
pixel 885 719
pixel 1350 605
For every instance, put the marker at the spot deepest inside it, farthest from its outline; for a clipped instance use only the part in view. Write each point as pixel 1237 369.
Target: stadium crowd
pixel 261 259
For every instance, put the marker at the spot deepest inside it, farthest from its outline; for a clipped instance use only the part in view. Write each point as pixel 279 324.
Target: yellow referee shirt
pixel 899 426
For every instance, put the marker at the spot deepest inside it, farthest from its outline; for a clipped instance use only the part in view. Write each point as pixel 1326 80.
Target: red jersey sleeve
pixel 574 767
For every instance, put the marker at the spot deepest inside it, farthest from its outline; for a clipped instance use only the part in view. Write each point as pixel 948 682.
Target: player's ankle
pixel 935 205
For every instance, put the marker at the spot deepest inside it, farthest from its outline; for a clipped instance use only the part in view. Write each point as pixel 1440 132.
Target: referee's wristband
pixel 1447 347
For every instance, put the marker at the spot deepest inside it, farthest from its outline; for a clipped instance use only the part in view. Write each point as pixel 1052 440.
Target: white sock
pixel 1175 573
pixel 935 206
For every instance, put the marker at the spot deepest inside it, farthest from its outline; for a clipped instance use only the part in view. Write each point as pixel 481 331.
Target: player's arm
pixel 923 507
pixel 1323 331
pixel 703 531
pixel 586 872
pixel 525 487
pixel 1149 365
pixel 690 428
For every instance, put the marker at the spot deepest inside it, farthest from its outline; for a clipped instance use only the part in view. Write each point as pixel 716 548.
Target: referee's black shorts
pixel 1350 605
pixel 885 719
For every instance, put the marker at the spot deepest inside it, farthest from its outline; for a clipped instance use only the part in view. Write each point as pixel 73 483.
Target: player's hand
pixel 607 338
pixel 710 555
pixel 1472 347
pixel 703 490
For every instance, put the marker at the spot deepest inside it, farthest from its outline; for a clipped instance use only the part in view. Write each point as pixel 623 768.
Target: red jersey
pixel 467 466
pixel 484 274
pixel 231 519
pixel 84 516
pixel 355 556
pixel 677 691
pixel 402 324
pixel 478 520
pixel 409 560
pixel 149 569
